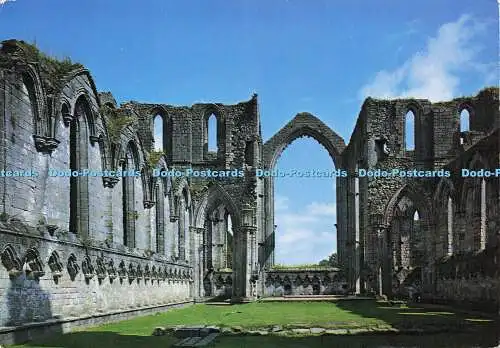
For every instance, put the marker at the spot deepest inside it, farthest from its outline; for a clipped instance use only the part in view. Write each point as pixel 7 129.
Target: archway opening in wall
pixel 212 133
pixel 410 131
pixel 304 206
pixel 407 240
pixel 218 246
pixel 158 133
pixel 229 242
pixel 464 124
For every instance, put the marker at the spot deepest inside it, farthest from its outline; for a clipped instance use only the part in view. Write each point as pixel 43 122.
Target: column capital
pixel 197 230
pixel 251 230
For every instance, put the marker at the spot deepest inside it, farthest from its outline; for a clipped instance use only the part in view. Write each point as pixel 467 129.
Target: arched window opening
pixel 78 159
pixel 464 124
pixel 158 133
pixel 410 131
pixel 464 121
pixel 228 242
pixel 73 180
pixel 416 241
pixel 212 133
pixel 129 211
pixel 416 217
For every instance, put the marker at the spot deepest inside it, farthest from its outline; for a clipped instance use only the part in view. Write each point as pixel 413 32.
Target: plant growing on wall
pixel 116 122
pixel 52 69
pixel 154 157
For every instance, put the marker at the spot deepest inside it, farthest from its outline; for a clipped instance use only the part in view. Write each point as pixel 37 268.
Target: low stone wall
pixel 222 284
pixel 469 280
pixel 304 282
pixel 33 331
pixel 44 279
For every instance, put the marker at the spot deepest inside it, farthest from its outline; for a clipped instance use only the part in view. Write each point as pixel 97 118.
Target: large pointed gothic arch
pixel 302 125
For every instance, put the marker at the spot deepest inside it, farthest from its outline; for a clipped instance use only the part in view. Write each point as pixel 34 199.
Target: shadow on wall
pixel 27 303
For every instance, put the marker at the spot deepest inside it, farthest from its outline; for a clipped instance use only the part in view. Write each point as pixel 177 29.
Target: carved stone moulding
pixel 94 139
pixel 45 145
pixel 149 204
pixel 67 118
pixel 110 181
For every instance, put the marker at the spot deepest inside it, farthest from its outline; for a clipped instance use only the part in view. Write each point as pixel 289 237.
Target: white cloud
pixel 305 235
pixel 280 203
pixel 328 209
pixel 434 72
pixel 4 1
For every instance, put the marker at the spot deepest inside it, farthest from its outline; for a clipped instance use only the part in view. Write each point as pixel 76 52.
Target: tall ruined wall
pixel 136 237
pixel 438 145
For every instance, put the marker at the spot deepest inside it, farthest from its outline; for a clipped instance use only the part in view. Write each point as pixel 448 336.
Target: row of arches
pixel 425 231
pixel 32 265
pixel 169 200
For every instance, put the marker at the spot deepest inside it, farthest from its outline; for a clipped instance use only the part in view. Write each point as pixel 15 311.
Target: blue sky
pixel 319 56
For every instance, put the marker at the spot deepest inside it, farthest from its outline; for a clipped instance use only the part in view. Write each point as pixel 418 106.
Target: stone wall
pixel 73 247
pixel 456 216
pixel 54 230
pixel 49 276
pixel 304 282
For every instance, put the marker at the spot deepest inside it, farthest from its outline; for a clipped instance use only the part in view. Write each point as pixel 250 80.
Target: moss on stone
pixel 116 122
pixel 52 69
pixel 154 157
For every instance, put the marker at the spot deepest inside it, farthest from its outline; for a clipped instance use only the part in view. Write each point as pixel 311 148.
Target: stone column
pixel 384 274
pixel 196 236
pixel 242 267
pixel 181 231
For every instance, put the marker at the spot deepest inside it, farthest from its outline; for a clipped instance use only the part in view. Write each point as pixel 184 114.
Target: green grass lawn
pixel 342 314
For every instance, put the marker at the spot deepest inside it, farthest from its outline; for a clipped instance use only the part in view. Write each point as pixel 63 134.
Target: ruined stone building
pixel 101 244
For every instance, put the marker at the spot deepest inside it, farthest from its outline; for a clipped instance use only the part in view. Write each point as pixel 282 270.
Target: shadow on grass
pixel 355 341
pixel 113 339
pixel 415 317
pixel 106 339
pixel 217 300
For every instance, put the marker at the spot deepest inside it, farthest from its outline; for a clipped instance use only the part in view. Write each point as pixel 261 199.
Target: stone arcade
pixel 101 246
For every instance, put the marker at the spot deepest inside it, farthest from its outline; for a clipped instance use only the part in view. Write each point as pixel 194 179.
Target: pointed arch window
pixel 158 133
pixel 410 131
pixel 212 132
pixel 78 159
pixel 464 124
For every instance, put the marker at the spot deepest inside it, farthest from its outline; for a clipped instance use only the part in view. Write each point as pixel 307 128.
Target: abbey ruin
pixel 97 246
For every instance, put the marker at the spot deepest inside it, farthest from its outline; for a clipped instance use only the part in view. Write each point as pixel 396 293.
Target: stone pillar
pixel 242 256
pixel 384 264
pixel 181 229
pixel 196 236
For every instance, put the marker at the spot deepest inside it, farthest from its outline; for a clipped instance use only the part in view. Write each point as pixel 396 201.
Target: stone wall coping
pixel 299 270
